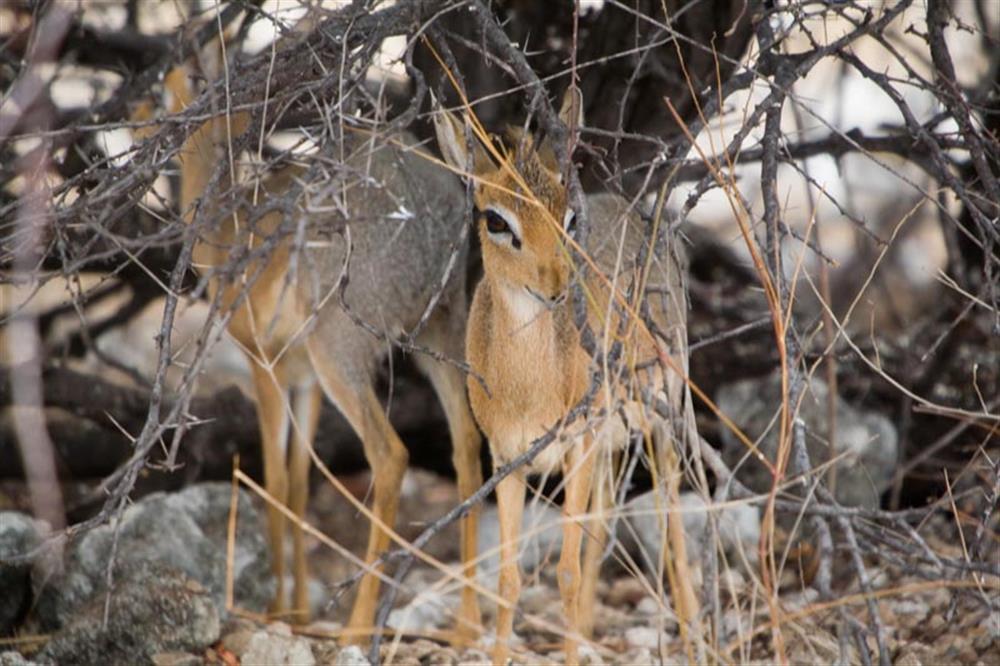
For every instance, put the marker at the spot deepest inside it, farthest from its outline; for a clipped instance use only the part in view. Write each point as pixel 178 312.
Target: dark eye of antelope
pixel 569 222
pixel 497 225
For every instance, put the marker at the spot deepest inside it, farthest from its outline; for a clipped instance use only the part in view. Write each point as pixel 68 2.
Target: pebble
pixel 626 591
pixel 908 658
pixel 935 625
pixel 440 656
pixel 992 624
pixel 238 641
pixel 733 582
pixel 537 599
pixel 352 656
pixel 637 657
pixel 648 606
pixel 176 659
pixel 983 642
pixel 324 628
pixel 586 656
pixel 275 648
pixel 644 637
pixel 474 657
pixel 799 600
pixel 428 611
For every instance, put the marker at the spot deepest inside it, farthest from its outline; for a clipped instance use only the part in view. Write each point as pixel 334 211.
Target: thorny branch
pixel 694 55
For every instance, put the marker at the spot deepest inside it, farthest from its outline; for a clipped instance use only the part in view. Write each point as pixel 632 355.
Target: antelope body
pixel 382 229
pixel 523 342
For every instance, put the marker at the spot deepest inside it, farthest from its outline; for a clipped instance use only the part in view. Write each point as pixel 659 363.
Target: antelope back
pixel 394 219
pixel 378 219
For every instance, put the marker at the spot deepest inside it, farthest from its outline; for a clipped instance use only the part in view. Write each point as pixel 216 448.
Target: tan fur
pixel 302 344
pixel 524 344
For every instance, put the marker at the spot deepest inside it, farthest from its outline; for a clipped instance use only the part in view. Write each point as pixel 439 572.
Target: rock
pixel 733 623
pixel 916 608
pixel 537 599
pixel 800 600
pixel 176 659
pixel 867 441
pixel 19 535
pixel 541 539
pixel 184 532
pixel 628 590
pixel 440 656
pixel 428 611
pixel 817 647
pixel 732 582
pixel 637 657
pixel 238 642
pixel 175 615
pixel 992 625
pixel 474 657
pixel 318 594
pixel 277 646
pixel 588 656
pixel 914 655
pixel 739 528
pixel 648 606
pixel 352 656
pixel 12 658
pixel 645 637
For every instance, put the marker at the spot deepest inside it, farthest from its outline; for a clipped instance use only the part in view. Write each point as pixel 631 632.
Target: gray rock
pixel 185 532
pixel 152 609
pixel 12 658
pixel 541 539
pixel 474 657
pixel 276 646
pixel 868 441
pixel 18 536
pixel 428 611
pixel 991 623
pixel 640 531
pixel 352 656
pixel 176 659
pixel 319 593
pixel 645 637
pixel 238 641
pixel 588 656
pixel 637 657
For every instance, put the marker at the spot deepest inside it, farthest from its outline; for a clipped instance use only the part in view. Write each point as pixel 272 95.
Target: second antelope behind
pixel 523 342
pixel 392 217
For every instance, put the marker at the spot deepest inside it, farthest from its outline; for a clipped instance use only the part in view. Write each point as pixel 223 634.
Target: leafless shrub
pixel 748 118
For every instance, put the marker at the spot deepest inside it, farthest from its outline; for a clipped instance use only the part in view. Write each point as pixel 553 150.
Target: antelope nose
pixel 552 281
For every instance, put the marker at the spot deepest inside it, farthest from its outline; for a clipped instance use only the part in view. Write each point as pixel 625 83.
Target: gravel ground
pixel 925 624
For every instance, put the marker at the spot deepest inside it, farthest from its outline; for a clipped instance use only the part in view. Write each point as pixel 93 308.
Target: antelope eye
pixel 495 224
pixel 569 221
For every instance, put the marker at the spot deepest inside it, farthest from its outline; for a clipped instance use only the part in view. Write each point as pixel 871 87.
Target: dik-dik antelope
pixel 523 343
pixel 390 215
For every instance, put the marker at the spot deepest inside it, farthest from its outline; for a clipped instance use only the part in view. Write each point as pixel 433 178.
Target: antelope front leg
pixel 578 470
pixel 510 506
pixel 308 399
pixel 272 393
pixel 597 539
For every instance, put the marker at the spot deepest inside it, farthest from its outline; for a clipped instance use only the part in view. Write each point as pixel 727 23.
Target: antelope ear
pixel 571 114
pixel 571 111
pixel 450 133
